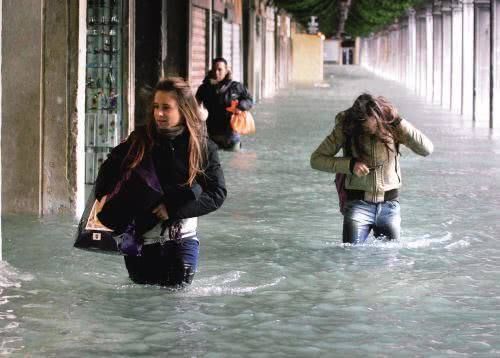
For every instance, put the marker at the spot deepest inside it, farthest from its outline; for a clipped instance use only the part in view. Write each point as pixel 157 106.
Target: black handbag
pixel 109 226
pixel 92 235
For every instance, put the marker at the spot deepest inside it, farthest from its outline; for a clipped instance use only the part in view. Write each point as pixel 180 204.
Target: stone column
pixel 429 52
pixel 456 56
pixel 418 52
pixel 446 86
pixel 366 54
pixel 404 51
pixel 482 61
pixel 357 46
pixel 399 53
pixel 421 54
pixel 22 107
pixel 412 44
pixel 468 58
pixel 495 116
pixel 394 55
pixel 437 31
pixel 379 54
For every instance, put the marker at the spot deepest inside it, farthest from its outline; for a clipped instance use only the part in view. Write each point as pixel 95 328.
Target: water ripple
pixel 9 278
pixel 220 285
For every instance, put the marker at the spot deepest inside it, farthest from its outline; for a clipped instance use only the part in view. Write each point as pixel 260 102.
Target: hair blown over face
pixel 375 116
pixel 191 119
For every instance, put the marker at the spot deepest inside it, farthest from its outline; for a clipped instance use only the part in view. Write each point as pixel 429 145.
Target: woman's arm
pixel 111 170
pixel 414 139
pixel 324 159
pixel 213 190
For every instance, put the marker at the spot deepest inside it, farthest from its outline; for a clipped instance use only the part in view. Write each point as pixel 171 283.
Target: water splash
pixel 457 245
pixel 422 242
pixel 9 278
pixel 221 285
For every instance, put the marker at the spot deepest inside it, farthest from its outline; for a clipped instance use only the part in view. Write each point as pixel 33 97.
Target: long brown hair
pixel 380 114
pixel 142 141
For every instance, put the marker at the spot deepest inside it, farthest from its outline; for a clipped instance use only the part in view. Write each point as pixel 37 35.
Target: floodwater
pixel 274 278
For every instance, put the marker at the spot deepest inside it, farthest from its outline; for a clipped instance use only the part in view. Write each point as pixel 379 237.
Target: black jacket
pixel 170 162
pixel 216 97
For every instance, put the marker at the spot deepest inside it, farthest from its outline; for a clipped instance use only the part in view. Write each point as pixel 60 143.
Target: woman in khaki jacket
pixel 370 133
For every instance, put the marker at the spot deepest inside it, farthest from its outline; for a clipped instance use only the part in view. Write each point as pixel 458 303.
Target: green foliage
pixel 365 16
pixel 327 12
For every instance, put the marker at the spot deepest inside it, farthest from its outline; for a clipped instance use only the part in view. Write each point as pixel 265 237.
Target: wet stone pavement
pixel 274 278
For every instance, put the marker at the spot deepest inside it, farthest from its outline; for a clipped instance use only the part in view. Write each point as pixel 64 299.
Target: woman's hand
pixel 161 212
pixel 360 169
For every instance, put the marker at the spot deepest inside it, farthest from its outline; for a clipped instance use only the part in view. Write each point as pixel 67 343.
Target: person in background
pixel 370 133
pixel 216 93
pixel 173 155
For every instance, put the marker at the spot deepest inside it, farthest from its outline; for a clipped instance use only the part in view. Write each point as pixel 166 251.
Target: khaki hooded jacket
pixel 386 173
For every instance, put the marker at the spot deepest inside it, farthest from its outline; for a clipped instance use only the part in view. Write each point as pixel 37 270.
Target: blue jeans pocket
pixel 393 204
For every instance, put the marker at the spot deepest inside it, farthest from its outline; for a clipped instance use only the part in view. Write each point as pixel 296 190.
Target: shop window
pixel 104 88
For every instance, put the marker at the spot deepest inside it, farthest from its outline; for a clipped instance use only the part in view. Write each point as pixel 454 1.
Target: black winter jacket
pixel 170 159
pixel 216 97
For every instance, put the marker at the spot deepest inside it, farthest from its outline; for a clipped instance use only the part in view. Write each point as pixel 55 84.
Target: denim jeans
pixel 361 216
pixel 171 264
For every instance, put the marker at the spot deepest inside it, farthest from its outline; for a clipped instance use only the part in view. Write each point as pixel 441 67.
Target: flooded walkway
pixel 274 277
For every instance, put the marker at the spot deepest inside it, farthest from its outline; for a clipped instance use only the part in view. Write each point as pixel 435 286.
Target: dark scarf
pixel 171 133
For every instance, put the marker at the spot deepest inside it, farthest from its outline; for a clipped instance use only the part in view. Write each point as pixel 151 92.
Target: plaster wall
pixel 307 58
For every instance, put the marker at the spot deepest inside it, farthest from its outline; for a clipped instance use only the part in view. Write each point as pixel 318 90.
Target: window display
pixel 103 99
